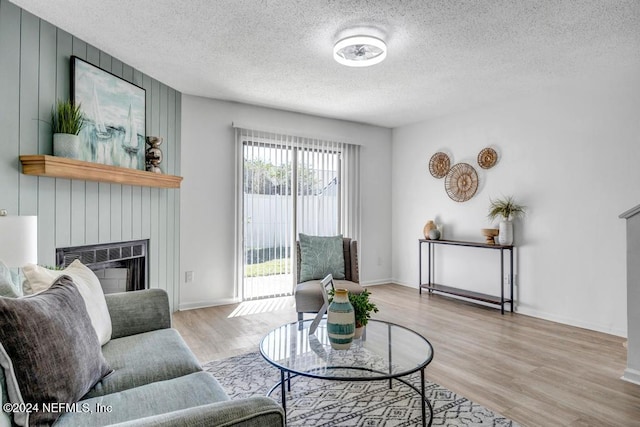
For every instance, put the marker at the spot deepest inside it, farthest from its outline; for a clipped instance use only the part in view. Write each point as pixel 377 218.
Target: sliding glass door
pixel 289 186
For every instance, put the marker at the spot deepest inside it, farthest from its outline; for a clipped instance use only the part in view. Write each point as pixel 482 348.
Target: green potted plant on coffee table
pixel 362 308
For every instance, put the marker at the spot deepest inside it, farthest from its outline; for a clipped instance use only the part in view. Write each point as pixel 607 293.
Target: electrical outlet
pixel 188 276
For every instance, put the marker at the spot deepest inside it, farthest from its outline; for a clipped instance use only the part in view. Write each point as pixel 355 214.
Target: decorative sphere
pixel 434 234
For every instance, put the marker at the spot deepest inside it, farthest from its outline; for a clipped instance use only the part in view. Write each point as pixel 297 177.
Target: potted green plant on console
pixel 507 209
pixel 66 122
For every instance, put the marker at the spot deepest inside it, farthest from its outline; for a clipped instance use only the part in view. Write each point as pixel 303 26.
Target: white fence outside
pixel 268 219
pixel 268 233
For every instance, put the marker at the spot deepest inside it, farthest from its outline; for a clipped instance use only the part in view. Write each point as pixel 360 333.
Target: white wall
pixel 572 156
pixel 207 193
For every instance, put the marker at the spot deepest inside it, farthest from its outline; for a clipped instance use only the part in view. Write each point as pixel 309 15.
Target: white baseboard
pixel 569 321
pixel 631 375
pixel 548 316
pixel 408 285
pixel 377 282
pixel 210 303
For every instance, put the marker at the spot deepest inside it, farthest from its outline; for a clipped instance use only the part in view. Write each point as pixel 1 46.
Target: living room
pixel 568 110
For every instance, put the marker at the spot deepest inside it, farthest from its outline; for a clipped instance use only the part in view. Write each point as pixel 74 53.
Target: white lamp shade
pixel 18 240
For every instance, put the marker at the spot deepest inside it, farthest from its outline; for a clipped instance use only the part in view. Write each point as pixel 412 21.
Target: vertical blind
pixel 285 185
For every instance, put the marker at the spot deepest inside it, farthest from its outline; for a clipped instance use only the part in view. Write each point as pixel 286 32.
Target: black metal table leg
pixel 419 267
pixel 501 281
pixel 429 267
pixel 284 396
pixel 511 275
pixel 425 403
pixel 390 355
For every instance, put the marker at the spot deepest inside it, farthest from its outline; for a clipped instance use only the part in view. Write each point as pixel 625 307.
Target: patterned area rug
pixel 314 402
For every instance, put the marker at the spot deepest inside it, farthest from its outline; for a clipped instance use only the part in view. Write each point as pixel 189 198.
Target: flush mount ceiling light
pixel 360 51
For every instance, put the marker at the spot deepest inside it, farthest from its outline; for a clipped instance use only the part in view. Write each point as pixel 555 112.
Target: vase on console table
pixel 430 225
pixel 341 321
pixel 505 235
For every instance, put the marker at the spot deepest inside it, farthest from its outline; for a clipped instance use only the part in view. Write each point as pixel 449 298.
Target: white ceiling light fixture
pixel 360 51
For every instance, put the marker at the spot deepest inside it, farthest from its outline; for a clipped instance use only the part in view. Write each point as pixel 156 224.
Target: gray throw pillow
pixel 319 256
pixel 49 350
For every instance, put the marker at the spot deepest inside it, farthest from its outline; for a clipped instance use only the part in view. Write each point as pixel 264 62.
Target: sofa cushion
pixel 38 278
pixel 309 294
pixel 144 358
pixel 160 397
pixel 48 349
pixel 321 255
pixel 7 288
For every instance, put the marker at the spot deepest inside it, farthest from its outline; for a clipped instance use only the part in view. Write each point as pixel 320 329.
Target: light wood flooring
pixel 536 372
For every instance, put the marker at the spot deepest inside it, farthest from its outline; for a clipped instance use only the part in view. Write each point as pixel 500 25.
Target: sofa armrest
pixel 138 311
pixel 256 411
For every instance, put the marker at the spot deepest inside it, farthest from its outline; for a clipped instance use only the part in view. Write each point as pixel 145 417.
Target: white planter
pixel 66 145
pixel 358 333
pixel 505 236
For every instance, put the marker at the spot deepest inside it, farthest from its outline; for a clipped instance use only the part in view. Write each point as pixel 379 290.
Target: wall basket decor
pixel 439 165
pixel 487 158
pixel 461 183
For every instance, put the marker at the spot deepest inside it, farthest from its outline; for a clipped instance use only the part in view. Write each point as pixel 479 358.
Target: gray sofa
pixel 157 381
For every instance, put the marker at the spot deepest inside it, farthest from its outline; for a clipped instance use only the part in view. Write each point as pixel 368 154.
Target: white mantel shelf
pixel 62 167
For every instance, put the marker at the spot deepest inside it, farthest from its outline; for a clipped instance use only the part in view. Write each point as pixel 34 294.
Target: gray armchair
pixel 308 294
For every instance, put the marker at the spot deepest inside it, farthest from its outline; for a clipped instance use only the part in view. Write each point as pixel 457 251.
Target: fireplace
pixel 120 266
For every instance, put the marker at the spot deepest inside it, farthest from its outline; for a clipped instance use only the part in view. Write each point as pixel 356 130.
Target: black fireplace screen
pixel 131 256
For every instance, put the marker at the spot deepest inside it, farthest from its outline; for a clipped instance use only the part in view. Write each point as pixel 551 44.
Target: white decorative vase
pixel 505 235
pixel 341 321
pixel 66 145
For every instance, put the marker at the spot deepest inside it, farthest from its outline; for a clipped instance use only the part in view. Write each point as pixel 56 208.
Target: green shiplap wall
pixel 34 72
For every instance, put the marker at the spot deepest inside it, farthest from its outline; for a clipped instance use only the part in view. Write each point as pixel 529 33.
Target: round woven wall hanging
pixel 487 158
pixel 439 165
pixel 461 183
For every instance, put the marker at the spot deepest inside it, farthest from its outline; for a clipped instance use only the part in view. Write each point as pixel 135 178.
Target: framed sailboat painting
pixel 115 114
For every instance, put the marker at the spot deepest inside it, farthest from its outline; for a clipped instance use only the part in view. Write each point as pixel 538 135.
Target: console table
pixel 490 299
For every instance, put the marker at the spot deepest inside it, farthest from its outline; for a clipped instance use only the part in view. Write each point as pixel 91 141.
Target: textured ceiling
pixel 444 55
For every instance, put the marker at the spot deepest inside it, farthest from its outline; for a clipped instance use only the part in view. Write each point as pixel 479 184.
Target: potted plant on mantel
pixel 362 308
pixel 507 209
pixel 66 122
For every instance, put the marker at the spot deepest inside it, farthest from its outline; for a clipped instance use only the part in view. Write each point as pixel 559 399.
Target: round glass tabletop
pixel 386 350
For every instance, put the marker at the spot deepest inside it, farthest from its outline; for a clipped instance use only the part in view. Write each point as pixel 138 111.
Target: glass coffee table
pixel 386 351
